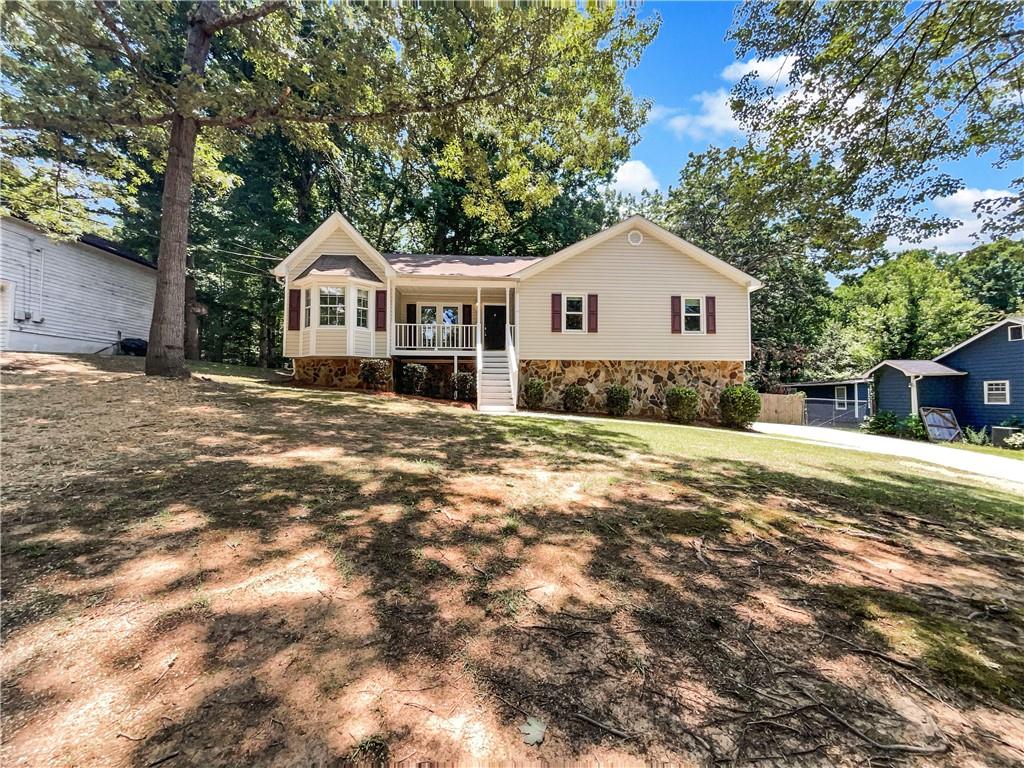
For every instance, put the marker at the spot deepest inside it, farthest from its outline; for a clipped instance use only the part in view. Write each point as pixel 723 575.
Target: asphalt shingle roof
pixel 445 264
pixel 338 266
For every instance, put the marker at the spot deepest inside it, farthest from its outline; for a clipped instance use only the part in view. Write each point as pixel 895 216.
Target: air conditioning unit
pixel 22 315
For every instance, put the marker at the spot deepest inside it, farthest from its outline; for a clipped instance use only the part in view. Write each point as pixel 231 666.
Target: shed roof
pixel 445 264
pixel 918 368
pixel 338 266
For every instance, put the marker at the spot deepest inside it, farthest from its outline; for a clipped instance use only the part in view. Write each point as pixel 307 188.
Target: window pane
pixel 691 323
pixel 574 322
pixel 332 306
pixel 428 314
pixel 450 316
pixel 997 393
pixel 573 303
pixel 362 308
pixel 692 307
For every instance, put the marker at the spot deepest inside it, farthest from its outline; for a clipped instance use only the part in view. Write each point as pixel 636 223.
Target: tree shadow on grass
pixel 313 581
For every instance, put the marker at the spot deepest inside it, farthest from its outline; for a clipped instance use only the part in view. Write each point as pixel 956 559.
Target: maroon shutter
pixel 294 308
pixel 709 312
pixel 556 313
pixel 467 314
pixel 591 313
pixel 677 314
pixel 380 309
pixel 410 313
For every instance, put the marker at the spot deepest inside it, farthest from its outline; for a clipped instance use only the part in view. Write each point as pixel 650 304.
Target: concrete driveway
pixel 997 467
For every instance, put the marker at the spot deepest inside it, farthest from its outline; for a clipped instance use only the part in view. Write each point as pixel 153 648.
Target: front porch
pixel 464 321
pixel 442 321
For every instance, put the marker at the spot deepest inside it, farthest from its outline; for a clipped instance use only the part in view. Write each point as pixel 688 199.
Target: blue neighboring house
pixel 980 379
pixel 843 402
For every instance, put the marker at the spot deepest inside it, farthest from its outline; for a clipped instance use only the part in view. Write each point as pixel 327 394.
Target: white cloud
pixel 769 71
pixel 715 117
pixel 633 177
pixel 958 206
pixel 660 112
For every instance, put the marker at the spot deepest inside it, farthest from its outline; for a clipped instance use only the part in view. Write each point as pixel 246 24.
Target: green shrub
pixel 882 423
pixel 913 428
pixel 617 400
pixel 464 386
pixel 414 376
pixel 1013 421
pixel 375 374
pixel 682 404
pixel 1015 442
pixel 975 436
pixel 533 393
pixel 739 405
pixel 574 397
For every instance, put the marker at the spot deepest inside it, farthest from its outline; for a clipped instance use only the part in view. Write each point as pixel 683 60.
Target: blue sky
pixel 687 73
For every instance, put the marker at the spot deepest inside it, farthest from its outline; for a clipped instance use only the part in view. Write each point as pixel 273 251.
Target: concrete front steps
pixel 494 391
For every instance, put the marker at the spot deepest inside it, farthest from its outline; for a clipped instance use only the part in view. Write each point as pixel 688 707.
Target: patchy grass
pixel 991 450
pixel 237 571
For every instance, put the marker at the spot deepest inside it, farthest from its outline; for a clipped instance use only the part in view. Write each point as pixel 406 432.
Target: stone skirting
pixel 646 380
pixel 335 372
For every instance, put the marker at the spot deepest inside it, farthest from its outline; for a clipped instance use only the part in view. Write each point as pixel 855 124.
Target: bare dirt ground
pixel 224 572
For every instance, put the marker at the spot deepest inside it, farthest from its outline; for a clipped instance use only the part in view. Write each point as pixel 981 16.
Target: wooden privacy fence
pixel 782 409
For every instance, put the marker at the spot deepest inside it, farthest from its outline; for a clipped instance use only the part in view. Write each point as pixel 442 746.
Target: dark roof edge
pixel 103 244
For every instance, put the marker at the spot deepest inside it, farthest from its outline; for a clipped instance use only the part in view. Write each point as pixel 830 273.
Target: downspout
pixel 913 393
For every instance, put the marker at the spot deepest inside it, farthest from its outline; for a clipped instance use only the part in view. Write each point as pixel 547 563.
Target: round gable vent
pixel 635 237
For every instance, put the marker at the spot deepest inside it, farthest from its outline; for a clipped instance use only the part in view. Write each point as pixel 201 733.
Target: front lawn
pixel 234 571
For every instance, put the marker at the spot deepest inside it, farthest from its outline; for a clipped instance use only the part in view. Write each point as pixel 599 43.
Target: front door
pixel 494 326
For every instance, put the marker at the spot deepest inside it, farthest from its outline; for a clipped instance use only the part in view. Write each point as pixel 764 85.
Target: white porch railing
pixel 437 338
pixel 513 361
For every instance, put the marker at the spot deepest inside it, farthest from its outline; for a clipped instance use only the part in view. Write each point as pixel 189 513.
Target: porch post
pixel 479 320
pixel 508 315
pixel 314 309
pixel 389 314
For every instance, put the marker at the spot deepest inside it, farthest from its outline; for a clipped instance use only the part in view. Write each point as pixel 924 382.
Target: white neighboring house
pixel 70 296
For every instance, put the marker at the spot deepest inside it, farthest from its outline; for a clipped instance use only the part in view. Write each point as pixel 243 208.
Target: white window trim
pixel 1009 332
pixel 307 307
pixel 1006 382
pixel 344 306
pixel 683 316
pixel 845 400
pixel 565 312
pixel 358 326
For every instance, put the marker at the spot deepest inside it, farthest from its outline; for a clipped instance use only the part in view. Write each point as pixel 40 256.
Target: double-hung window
pixel 573 314
pixel 842 403
pixel 693 315
pixel 307 309
pixel 332 306
pixel 997 393
pixel 362 308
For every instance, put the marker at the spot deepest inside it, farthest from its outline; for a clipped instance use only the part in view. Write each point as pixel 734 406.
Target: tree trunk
pixel 166 353
pixel 192 312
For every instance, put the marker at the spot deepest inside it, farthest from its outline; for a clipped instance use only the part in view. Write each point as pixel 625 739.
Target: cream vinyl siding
pixel 331 341
pixel 634 285
pixel 291 343
pixel 361 341
pixel 337 244
pixel 381 342
pixel 304 336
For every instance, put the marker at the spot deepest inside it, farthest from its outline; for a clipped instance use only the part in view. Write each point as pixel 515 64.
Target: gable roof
pixel 338 266
pixel 448 265
pixel 1012 320
pixel 650 228
pixel 918 368
pixel 332 223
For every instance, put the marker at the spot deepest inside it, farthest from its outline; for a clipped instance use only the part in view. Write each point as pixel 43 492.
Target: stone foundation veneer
pixel 646 380
pixel 336 372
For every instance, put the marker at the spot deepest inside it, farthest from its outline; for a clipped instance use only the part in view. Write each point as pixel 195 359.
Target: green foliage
pixel 533 393
pixel 375 374
pixel 574 397
pixel 976 436
pixel 906 308
pixel 889 423
pixel 739 405
pixel 881 423
pixel 682 404
pixel 1014 442
pixel 1013 421
pixel 617 400
pixel 994 275
pixel 886 94
pixel 464 386
pixel 414 376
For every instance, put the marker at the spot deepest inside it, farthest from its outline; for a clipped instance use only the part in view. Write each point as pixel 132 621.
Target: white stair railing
pixel 438 338
pixel 513 363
